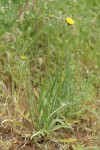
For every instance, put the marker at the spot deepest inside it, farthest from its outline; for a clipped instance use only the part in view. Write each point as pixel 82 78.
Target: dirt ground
pixel 85 133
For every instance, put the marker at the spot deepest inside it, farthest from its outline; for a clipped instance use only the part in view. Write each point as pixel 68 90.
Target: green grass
pixel 59 78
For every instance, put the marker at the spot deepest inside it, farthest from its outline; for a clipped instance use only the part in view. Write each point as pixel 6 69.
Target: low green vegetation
pixel 49 69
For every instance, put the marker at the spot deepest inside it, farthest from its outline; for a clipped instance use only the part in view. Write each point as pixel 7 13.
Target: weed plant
pixel 49 68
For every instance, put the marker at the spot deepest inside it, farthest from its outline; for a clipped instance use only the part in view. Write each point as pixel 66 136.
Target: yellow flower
pixel 51 15
pixel 23 57
pixel 70 21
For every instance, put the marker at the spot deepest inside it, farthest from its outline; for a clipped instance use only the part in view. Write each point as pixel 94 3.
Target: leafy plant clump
pixel 49 60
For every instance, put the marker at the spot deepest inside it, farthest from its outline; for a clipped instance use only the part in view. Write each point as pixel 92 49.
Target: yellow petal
pixel 23 57
pixel 70 21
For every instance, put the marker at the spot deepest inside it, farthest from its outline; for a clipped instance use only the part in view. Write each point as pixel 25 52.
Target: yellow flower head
pixel 51 15
pixel 70 21
pixel 23 57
